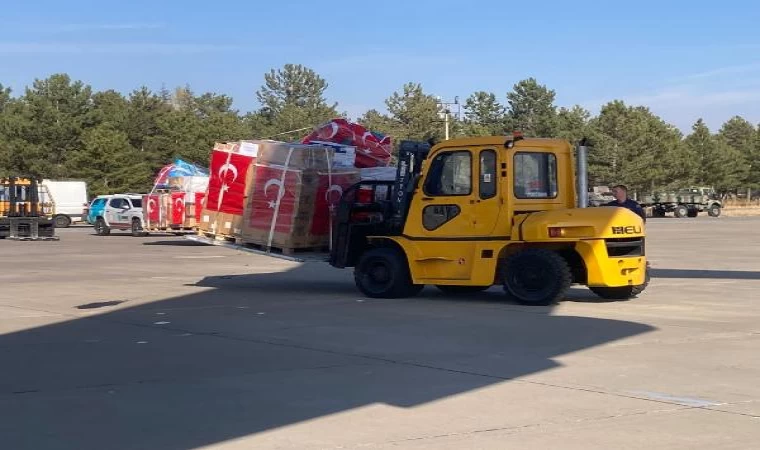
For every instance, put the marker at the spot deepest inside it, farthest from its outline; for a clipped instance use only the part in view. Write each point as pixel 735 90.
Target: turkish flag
pixel 178 208
pixel 268 187
pixel 372 149
pixel 226 186
pixel 329 192
pixel 199 196
pixel 153 207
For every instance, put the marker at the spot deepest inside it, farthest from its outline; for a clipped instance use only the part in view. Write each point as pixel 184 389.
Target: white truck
pixel 69 200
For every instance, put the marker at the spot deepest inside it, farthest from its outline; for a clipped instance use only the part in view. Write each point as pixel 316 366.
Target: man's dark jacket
pixel 630 204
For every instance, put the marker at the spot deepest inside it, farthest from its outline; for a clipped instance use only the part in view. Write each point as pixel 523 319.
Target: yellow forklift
pixel 23 214
pixel 470 213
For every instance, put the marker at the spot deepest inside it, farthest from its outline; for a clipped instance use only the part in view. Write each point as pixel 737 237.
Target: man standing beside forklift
pixel 622 201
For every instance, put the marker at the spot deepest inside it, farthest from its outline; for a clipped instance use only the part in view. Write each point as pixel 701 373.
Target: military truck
pixel 688 202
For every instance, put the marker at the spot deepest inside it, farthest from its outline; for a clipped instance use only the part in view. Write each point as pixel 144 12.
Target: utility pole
pixel 444 109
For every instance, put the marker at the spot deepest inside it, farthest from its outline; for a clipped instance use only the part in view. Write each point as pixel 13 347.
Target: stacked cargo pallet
pixel 275 196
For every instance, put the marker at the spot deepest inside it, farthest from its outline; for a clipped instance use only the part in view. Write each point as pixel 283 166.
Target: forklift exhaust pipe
pixel 582 176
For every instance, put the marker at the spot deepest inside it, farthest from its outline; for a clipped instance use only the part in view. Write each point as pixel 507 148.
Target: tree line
pixel 61 128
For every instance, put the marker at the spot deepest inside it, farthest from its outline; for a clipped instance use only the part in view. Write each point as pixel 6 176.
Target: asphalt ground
pixel 157 343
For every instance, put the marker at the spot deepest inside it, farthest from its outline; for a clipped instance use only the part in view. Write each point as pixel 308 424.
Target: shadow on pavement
pixel 698 273
pixel 235 359
pixel 179 242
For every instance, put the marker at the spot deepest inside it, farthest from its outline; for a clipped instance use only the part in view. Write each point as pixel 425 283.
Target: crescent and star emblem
pixel 227 167
pixel 280 191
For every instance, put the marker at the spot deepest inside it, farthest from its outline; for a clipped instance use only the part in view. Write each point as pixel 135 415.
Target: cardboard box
pixel 274 193
pixel 229 182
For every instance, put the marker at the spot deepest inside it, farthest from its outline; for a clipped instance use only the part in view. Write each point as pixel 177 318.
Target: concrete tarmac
pixel 157 343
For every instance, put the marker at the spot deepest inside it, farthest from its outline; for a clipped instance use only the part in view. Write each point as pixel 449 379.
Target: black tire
pixel 62 221
pixel 714 210
pixel 623 292
pixel 658 212
pixel 101 229
pixel 536 277
pixel 460 290
pixel 137 229
pixel 681 211
pixel 384 273
pixel 693 212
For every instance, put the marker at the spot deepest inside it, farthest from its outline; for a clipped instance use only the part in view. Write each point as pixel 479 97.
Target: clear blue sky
pixel 683 59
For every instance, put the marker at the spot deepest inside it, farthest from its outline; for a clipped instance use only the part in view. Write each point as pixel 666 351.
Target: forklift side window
pixel 487 174
pixel 434 216
pixel 450 174
pixel 535 175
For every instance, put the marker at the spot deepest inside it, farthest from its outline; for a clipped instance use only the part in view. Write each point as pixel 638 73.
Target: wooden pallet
pixel 169 230
pixel 301 254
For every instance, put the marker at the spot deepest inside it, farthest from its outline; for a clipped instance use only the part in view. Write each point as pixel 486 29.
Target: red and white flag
pixel 329 192
pixel 178 208
pixel 152 207
pixel 273 193
pixel 226 187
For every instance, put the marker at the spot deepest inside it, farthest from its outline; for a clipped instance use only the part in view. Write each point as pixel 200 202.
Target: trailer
pixel 683 203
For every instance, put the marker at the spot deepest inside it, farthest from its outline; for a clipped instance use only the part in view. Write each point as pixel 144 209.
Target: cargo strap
pixel 280 194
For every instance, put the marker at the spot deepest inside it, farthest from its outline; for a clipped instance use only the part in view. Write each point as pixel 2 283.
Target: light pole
pixel 444 109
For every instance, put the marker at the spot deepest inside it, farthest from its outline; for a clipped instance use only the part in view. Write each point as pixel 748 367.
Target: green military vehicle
pixel 687 202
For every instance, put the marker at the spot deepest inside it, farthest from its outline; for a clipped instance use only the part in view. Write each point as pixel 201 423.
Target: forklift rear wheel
pixel 536 277
pixel 456 290
pixel 62 221
pixel 384 273
pixel 101 229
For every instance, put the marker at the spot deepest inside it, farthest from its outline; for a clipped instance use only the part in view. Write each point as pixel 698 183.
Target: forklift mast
pixel 411 155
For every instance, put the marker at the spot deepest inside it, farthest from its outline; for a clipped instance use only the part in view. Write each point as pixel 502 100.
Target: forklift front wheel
pixel 536 277
pixel 384 273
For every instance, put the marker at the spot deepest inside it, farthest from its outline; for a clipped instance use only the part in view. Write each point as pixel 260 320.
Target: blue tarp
pixel 185 169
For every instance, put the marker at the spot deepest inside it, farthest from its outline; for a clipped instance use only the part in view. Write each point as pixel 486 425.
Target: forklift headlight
pixel 556 232
pixel 576 232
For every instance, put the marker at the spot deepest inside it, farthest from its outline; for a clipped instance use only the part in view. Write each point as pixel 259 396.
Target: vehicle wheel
pixel 101 229
pixel 62 221
pixel 693 212
pixel 658 212
pixel 714 210
pixel 536 277
pixel 623 292
pixel 681 211
pixel 457 290
pixel 137 229
pixel 384 273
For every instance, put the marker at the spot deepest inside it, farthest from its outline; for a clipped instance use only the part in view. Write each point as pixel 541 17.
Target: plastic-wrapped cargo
pixel 378 173
pixel 190 184
pixel 293 194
